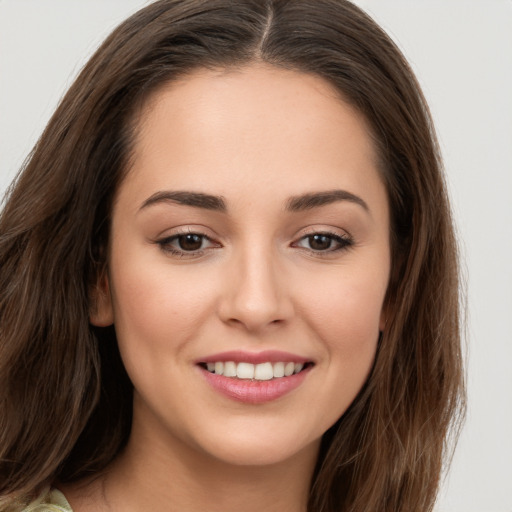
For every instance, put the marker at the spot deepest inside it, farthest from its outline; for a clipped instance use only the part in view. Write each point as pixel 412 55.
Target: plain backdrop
pixel 461 51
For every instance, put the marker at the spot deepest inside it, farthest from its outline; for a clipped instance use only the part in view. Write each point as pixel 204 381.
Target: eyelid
pixel 339 236
pixel 322 229
pixel 164 241
pixel 342 237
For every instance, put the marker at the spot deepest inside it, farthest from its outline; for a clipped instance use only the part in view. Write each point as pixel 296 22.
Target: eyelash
pixel 165 244
pixel 343 243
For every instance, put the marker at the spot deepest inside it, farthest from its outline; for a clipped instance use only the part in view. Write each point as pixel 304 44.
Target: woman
pixel 228 273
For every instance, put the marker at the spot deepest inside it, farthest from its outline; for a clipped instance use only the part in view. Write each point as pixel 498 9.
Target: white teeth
pixel 262 371
pixel 230 369
pixel 219 368
pixel 279 370
pixel 245 371
pixel 289 369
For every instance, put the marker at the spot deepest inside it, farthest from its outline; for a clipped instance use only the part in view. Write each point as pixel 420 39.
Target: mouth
pixel 264 371
pixel 255 377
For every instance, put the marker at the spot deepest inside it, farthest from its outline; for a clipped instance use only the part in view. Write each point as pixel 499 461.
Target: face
pixel 248 264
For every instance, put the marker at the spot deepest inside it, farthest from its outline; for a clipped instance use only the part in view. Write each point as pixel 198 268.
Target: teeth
pixel 245 371
pixel 279 370
pixel 289 368
pixel 229 369
pixel 262 371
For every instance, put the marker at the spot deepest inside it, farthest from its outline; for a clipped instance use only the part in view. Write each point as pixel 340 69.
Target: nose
pixel 256 295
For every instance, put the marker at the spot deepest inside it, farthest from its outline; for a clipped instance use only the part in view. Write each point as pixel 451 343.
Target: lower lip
pixel 255 391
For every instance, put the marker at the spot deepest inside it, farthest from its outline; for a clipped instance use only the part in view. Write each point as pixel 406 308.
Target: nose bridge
pixel 256 296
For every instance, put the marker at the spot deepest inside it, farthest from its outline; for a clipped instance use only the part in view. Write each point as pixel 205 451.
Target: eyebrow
pixel 195 199
pixel 317 199
pixel 217 203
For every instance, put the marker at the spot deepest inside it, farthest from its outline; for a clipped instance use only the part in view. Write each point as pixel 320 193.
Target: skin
pixel 255 137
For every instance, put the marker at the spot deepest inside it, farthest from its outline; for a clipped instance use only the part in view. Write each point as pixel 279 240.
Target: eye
pixel 190 242
pixel 324 242
pixel 186 244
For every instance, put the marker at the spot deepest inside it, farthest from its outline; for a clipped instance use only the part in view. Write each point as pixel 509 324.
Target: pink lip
pixel 266 356
pixel 254 391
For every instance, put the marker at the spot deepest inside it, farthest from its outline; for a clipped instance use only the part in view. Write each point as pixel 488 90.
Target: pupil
pixel 319 242
pixel 190 242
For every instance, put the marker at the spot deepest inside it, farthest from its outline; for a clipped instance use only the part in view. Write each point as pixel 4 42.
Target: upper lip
pixel 265 356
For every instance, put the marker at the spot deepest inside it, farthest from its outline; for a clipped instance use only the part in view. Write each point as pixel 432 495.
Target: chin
pixel 259 447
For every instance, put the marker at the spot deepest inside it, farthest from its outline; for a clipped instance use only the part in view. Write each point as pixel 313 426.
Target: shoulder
pixel 50 500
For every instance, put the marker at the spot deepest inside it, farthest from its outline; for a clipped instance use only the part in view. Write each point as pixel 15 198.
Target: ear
pixel 101 313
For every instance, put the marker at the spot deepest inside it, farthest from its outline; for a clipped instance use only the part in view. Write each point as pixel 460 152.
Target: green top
pixel 50 500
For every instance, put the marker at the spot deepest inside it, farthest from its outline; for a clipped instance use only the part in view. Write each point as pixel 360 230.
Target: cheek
pixel 342 313
pixel 345 313
pixel 155 306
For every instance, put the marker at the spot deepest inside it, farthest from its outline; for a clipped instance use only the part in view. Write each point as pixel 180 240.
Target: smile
pixel 248 371
pixel 255 378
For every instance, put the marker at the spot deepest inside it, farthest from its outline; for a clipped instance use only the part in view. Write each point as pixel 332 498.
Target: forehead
pixel 237 128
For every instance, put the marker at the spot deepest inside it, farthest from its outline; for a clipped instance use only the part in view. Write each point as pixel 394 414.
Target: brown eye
pixel 186 244
pixel 324 242
pixel 190 242
pixel 320 242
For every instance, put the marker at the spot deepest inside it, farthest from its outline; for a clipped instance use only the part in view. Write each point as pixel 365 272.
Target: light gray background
pixel 462 53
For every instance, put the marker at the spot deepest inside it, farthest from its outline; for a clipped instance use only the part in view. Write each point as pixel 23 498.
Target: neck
pixel 174 477
pixel 196 486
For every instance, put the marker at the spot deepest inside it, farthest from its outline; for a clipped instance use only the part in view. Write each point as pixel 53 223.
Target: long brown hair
pixel 65 399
